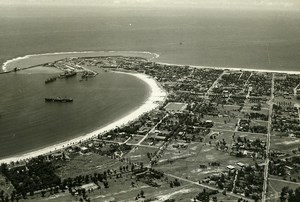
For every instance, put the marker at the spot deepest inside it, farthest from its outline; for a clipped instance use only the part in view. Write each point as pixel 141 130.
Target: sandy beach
pixel 233 68
pixel 148 55
pixel 50 57
pixel 157 96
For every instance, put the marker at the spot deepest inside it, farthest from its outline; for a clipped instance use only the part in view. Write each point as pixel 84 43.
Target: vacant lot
pixel 86 164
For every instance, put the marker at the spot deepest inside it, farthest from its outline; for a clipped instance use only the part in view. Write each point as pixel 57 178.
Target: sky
pixel 201 3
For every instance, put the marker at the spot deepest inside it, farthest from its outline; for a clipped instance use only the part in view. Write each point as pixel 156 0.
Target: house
pixel 230 167
pixel 90 186
pixel 241 164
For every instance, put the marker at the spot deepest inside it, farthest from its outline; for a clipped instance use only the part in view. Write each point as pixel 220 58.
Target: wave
pixel 4 65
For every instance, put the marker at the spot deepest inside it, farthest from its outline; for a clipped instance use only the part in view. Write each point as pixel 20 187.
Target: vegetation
pixel 290 195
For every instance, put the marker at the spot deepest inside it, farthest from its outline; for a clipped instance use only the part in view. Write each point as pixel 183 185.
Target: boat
pixel 59 99
pixel 49 80
pixel 67 74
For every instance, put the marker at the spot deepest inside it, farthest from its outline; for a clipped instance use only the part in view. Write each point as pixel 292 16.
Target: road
pixel 295 90
pixel 267 160
pixel 298 107
pixel 146 135
pixel 213 85
pixel 152 129
pixel 285 181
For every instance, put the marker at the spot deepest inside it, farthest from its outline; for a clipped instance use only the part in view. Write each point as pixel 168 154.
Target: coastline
pixel 157 95
pixel 99 53
pixel 231 68
pixel 154 56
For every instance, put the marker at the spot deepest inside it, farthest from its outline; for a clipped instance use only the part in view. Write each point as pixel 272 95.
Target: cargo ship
pixel 49 80
pixel 58 99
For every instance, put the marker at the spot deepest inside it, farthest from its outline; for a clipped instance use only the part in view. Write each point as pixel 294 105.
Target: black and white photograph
pixel 149 100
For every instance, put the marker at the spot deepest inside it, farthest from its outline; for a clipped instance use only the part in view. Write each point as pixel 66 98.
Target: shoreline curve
pixel 157 96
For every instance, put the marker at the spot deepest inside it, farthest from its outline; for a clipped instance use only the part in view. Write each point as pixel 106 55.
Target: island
pixel 219 134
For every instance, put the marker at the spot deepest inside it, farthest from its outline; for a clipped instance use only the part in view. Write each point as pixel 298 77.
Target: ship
pixel 68 74
pixel 49 80
pixel 58 99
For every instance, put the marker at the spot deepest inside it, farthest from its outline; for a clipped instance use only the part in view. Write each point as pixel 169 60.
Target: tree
pixel 43 192
pixel 142 165
pixel 283 193
pixel 203 196
pixel 142 194
pixel 4 168
pixel 2 195
pixel 176 183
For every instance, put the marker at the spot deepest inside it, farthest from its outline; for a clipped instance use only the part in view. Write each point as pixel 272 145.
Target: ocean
pixel 267 39
pixel 256 39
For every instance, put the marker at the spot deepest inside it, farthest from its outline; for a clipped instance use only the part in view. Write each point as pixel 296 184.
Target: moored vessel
pixel 68 74
pixel 58 99
pixel 49 80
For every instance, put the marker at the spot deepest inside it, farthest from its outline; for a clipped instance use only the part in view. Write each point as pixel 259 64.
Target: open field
pixel 275 188
pixel 85 164
pixel 285 144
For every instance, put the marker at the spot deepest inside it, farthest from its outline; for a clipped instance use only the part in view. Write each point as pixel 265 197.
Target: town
pixel 221 135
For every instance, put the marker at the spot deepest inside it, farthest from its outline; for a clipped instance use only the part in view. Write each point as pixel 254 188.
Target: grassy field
pixel 187 163
pixel 223 126
pixel 139 154
pixel 86 164
pixel 285 144
pixel 275 187
pixel 135 139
